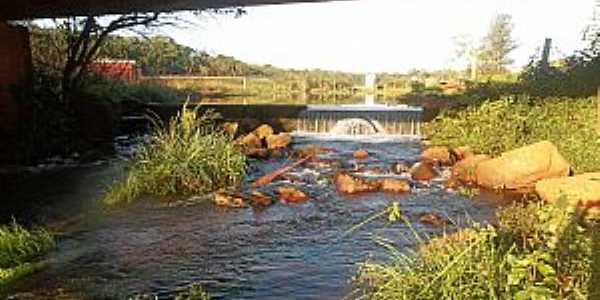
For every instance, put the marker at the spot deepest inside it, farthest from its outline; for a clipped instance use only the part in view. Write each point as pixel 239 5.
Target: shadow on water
pixel 286 251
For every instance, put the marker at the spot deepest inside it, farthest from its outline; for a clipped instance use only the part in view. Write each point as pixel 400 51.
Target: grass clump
pixel 535 252
pixel 189 156
pixel 19 248
pixel 498 126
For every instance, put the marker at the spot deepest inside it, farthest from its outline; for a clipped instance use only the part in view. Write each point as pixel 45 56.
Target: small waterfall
pixel 361 120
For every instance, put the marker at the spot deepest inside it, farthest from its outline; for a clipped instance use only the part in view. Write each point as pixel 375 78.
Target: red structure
pixel 124 70
pixel 15 71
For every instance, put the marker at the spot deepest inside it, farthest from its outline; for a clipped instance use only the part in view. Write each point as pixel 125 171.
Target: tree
pixel 497 45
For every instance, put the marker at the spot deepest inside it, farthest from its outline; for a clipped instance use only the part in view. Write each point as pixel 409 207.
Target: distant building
pixel 118 69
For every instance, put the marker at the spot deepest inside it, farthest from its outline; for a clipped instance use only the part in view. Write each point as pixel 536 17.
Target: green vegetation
pixel 535 252
pixel 19 248
pixel 188 156
pixel 105 90
pixel 498 126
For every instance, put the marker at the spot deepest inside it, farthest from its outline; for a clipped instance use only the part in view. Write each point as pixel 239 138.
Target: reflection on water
pixel 286 251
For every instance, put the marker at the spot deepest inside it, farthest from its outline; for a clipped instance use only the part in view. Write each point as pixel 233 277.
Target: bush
pixel 19 247
pixel 189 156
pixel 553 259
pixel 498 126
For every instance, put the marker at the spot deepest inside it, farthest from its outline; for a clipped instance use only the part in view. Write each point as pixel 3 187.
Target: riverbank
pixel 533 251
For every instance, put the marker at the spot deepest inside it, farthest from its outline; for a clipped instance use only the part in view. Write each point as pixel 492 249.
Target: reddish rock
pixel 230 128
pixel 249 141
pixel 522 168
pixel 360 154
pixel 463 152
pixel 439 155
pixel 291 194
pixel 582 191
pixel 394 185
pixel 348 184
pixel 279 141
pixel 464 170
pixel 432 219
pixel 227 199
pixel 260 199
pixel 423 171
pixel 263 131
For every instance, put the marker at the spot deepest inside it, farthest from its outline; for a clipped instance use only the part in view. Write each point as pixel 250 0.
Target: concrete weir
pixel 338 119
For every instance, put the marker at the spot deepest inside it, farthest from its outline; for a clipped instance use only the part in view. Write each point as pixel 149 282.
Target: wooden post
pixel 546 52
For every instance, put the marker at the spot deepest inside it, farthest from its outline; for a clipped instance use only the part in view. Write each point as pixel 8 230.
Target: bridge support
pixel 15 70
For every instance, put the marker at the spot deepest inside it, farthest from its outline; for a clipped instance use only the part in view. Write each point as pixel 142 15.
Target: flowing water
pixel 285 251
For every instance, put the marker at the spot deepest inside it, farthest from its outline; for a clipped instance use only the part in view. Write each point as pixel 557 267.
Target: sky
pixel 383 35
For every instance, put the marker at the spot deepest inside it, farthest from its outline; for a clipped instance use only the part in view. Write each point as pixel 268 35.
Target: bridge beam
pixel 15 70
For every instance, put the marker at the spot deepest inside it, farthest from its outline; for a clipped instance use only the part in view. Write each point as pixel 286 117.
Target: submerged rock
pixel 423 171
pixel 440 155
pixel 394 185
pixel 432 219
pixel 291 194
pixel 522 168
pixel 279 141
pixel 228 199
pixel 348 184
pixel 581 190
pixel 256 152
pixel 360 154
pixel 312 150
pixel 259 199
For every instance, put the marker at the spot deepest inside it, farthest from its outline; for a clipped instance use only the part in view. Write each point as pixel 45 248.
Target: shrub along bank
pixel 188 156
pixel 535 252
pixel 498 126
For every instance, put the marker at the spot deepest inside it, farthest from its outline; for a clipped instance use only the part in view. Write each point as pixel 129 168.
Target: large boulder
pixel 423 171
pixel 441 155
pixel 522 168
pixel 464 170
pixel 581 190
pixel 462 152
pixel 348 184
pixel 279 141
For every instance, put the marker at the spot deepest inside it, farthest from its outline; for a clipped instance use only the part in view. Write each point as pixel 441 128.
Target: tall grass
pixel 535 252
pixel 497 126
pixel 188 156
pixel 19 248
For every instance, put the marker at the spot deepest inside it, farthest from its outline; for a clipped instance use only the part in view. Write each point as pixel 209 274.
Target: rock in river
pixel 360 154
pixel 441 155
pixel 263 131
pixel 522 168
pixel 394 185
pixel 348 184
pixel 260 199
pixel 227 199
pixel 423 171
pixel 291 194
pixel 278 141
pixel 432 219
